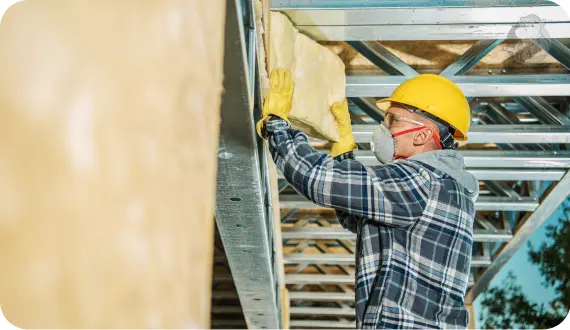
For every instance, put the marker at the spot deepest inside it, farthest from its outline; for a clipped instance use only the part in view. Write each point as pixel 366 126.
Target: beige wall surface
pixel 109 119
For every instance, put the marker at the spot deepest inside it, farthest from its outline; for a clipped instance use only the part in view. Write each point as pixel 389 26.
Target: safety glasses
pixel 390 119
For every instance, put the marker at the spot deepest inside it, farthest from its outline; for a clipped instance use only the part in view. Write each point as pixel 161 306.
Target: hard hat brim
pixel 384 104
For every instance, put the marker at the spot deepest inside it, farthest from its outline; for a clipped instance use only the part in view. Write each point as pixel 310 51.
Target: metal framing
pixel 428 23
pixel 348 259
pixel 520 137
pixel 523 232
pixel 383 58
pixel 470 58
pixel 422 16
pixel 323 324
pixel 411 4
pixel 530 134
pixel 497 159
pixel 556 49
pixel 241 213
pixel 337 233
pixel 321 296
pixel 493 203
pixel 472 86
pixel 516 174
pixel 521 150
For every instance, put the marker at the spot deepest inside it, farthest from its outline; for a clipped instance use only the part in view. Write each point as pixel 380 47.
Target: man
pixel 413 215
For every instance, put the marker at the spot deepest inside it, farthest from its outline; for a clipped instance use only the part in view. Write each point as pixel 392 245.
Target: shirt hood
pixel 451 163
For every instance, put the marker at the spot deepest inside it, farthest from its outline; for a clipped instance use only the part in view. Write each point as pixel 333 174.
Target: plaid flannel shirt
pixel 414 227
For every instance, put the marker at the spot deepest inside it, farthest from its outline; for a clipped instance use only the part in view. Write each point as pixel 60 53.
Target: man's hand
pixel 280 98
pixel 346 142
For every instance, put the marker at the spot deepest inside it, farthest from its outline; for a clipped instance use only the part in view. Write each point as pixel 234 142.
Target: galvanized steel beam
pixel 319 258
pixel 500 188
pixel 318 279
pixel 497 159
pixel 500 115
pixel 496 113
pixel 368 106
pixel 349 259
pixel 470 58
pixel 556 49
pixel 435 14
pixel 482 203
pixel 441 23
pixel 370 4
pixel 325 233
pixel 434 32
pixel 472 86
pixel 516 174
pixel 305 324
pixel 321 296
pixel 326 279
pixel 526 134
pixel 329 311
pixel 486 224
pixel 240 210
pixel 527 226
pixel 543 110
pixel 383 58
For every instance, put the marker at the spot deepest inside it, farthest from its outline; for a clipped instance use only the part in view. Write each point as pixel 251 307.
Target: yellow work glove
pixel 280 98
pixel 346 142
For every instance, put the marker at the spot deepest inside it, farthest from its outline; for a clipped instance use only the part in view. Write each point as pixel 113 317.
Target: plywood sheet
pixel 318 75
pixel 109 119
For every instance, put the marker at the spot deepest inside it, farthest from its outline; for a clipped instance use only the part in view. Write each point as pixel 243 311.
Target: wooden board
pixel 108 138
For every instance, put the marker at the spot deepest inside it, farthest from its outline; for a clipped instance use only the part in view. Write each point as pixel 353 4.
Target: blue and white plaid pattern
pixel 414 228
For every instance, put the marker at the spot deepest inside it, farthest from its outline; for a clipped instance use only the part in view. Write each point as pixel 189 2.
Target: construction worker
pixel 413 215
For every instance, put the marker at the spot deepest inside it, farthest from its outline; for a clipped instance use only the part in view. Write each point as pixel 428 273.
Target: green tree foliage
pixel 553 261
pixel 506 307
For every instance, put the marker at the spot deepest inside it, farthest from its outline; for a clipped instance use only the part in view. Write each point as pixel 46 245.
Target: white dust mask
pixel 383 144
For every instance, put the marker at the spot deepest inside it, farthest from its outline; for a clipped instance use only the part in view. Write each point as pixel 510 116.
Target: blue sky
pixel 527 274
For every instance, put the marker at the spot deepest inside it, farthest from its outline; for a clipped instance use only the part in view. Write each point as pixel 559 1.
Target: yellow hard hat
pixel 437 96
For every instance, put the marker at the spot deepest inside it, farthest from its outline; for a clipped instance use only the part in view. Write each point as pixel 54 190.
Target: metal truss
pixel 518 142
pixel 472 86
pixel 497 159
pixel 337 233
pixel 492 203
pixel 529 134
pixel 427 23
pixel 348 259
pixel 514 174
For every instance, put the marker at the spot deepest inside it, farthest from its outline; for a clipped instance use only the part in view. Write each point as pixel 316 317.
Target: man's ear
pixel 423 137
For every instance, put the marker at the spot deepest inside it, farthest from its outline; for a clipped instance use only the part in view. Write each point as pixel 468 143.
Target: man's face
pixel 409 144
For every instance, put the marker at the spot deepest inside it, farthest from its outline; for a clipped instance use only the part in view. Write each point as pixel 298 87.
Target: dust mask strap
pixel 434 136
